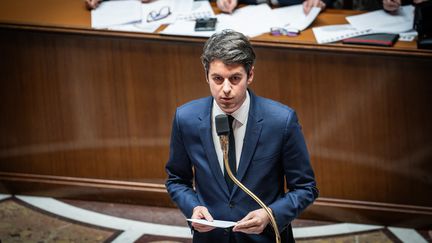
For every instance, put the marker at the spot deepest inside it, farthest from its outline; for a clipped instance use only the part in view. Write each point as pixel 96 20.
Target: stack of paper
pixel 333 33
pixel 132 15
pixel 378 21
pixel 381 21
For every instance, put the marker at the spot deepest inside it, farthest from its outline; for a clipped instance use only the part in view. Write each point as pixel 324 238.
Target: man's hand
pixel 308 4
pixel 227 6
pixel 254 223
pixel 92 4
pixel 200 212
pixel 391 5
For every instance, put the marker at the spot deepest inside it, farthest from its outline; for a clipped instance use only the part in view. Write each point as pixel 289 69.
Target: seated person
pixel 229 5
pixel 92 4
pixel 393 5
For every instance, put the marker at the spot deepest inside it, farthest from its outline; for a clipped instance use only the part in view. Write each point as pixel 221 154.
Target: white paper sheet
pixel 135 27
pixel 110 13
pixel 294 17
pixel 214 223
pixel 408 36
pixel 381 21
pixel 176 7
pixel 200 9
pixel 252 20
pixel 240 21
pixel 332 33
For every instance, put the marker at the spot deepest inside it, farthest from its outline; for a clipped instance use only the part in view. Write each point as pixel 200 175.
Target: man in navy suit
pixel 269 150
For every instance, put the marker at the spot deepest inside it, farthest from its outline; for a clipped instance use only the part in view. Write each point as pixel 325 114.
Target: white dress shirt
pixel 239 127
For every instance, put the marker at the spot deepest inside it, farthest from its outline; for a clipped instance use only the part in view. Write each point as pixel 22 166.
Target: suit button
pixel 231 205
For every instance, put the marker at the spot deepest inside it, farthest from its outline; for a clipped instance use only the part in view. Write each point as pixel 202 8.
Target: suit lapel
pixel 207 141
pixel 253 132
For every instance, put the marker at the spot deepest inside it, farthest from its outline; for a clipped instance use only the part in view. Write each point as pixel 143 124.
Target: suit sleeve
pixel 299 176
pixel 180 174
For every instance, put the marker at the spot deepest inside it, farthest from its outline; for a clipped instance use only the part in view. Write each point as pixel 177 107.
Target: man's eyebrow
pixel 234 74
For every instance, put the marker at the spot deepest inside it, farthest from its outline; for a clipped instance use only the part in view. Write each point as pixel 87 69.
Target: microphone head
pixel 222 125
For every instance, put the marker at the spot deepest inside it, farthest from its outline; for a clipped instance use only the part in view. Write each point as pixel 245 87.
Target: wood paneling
pixel 72 103
pixel 367 120
pixel 87 114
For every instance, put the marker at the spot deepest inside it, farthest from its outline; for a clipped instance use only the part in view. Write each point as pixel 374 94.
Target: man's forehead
pixel 234 67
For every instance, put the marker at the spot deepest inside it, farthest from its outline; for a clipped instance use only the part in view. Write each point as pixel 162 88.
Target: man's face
pixel 228 84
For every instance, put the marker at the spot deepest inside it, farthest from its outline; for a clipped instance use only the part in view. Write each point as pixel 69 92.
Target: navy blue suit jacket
pixel 274 149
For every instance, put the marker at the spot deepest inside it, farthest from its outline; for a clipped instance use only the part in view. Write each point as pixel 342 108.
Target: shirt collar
pixel 240 114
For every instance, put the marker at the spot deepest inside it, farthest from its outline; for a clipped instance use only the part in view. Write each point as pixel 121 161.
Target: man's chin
pixel 227 109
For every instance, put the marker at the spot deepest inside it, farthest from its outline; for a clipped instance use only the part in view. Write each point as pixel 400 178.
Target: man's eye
pixel 218 79
pixel 235 79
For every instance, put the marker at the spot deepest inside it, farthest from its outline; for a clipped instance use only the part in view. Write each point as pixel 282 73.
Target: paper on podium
pixel 214 223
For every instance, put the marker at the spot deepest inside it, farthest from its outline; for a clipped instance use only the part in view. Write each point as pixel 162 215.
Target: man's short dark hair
pixel 230 47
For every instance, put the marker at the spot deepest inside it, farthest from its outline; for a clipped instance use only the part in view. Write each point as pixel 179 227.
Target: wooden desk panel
pixel 87 114
pixel 92 101
pixel 365 119
pixel 65 13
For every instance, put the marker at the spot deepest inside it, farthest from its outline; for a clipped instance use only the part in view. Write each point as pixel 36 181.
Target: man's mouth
pixel 226 98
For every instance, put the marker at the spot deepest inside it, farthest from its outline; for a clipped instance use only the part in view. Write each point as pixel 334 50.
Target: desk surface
pixel 71 16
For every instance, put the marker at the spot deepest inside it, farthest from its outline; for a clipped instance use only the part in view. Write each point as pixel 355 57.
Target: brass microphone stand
pixel 224 144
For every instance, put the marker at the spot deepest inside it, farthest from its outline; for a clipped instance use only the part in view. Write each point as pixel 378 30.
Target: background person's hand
pixel 200 212
pixel 308 4
pixel 92 4
pixel 227 6
pixel 391 5
pixel 254 223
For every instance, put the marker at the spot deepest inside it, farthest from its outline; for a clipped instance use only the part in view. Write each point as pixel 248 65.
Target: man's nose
pixel 226 86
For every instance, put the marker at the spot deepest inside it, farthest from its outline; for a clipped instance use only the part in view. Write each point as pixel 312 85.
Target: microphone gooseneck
pixel 223 130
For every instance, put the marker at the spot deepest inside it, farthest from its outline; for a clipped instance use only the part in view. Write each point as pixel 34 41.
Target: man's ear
pixel 251 75
pixel 206 76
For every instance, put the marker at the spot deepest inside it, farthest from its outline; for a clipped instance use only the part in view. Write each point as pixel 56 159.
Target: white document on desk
pixel 294 17
pixel 332 33
pixel 175 6
pixel 252 20
pixel 200 9
pixel 381 21
pixel 135 27
pixel 240 21
pixel 110 13
pixel 214 223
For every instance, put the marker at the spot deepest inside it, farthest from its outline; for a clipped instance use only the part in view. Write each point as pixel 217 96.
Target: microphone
pixel 222 125
pixel 223 130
